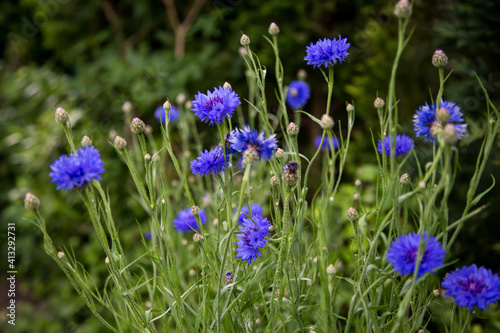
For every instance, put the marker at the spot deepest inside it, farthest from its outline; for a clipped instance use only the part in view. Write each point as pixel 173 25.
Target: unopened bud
pixel 402 9
pixel 330 270
pixel 250 155
pixel 271 228
pixel 226 85
pixel 197 238
pixel 379 103
pixel 439 59
pixel 148 129
pixel 450 135
pixel 273 29
pixel 120 143
pixel 274 181
pixel 147 157
pixel 243 52
pixel 189 105
pixel 86 141
pixel 290 175
pixel 436 129
pixel 61 255
pixel 106 260
pixel 228 279
pixel 279 153
pixel 357 183
pixel 127 107
pixel 349 107
pixel 352 214
pixel 195 210
pixel 302 75
pixel 137 126
pixel 62 116
pixel 31 202
pixel 167 106
pixel 292 129
pixel 443 115
pixel 405 179
pixel 244 40
pixel 156 157
pixel 181 98
pixel 436 292
pixel 327 121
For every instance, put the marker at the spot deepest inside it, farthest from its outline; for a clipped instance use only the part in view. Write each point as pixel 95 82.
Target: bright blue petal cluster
pixel 242 139
pixel 403 145
pixel 326 52
pixel 186 222
pixel 77 169
pixel 326 142
pixel 402 254
pixel 298 94
pixel 252 238
pixel 161 115
pixel 472 286
pixel 214 106
pixel 209 162
pixel 426 116
pixel 244 212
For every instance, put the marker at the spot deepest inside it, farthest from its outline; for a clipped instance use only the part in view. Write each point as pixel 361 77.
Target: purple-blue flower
pixel 472 286
pixel 244 212
pixel 161 115
pixel 403 145
pixel 402 254
pixel 78 169
pixel 426 118
pixel 298 94
pixel 214 106
pixel 242 139
pixel 209 162
pixel 326 52
pixel 326 142
pixel 186 222
pixel 252 237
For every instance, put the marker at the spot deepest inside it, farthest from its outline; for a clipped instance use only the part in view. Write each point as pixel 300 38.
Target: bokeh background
pixel 90 56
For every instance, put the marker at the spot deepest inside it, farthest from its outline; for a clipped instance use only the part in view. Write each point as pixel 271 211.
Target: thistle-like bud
pixel 327 121
pixel 279 153
pixel 450 135
pixel 290 175
pixel 197 238
pixel 443 115
pixel 181 98
pixel 292 129
pixel 120 143
pixel 379 103
pixel 127 107
pixel 250 155
pixel 138 125
pixel 31 202
pixel 405 179
pixel 330 270
pixel 195 210
pixel 402 9
pixel 274 181
pixel 227 85
pixel 228 279
pixel 302 75
pixel 271 228
pixel 439 59
pixel 167 106
pixel 62 116
pixel 436 129
pixel 147 157
pixel 86 141
pixel 244 40
pixel 273 29
pixel 61 255
pixel 349 107
pixel 352 214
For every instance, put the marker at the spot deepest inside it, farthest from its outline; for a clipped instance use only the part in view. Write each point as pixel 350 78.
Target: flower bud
pixel 228 279
pixel 274 181
pixel 357 183
pixel 181 98
pixel 450 135
pixel 244 40
pixel 330 270
pixel 352 214
pixel 138 125
pixel 279 153
pixel 439 59
pixel 292 129
pixel 62 116
pixel 443 115
pixel 402 9
pixel 405 179
pixel 189 105
pixel 302 75
pixel 250 155
pixel 127 107
pixel 243 52
pixel 147 157
pixel 148 129
pixel 197 238
pixel 379 103
pixel 86 141
pixel 436 292
pixel 106 261
pixel 156 157
pixel 226 85
pixel 436 129
pixel 61 255
pixel 271 228
pixel 195 210
pixel 327 121
pixel 290 175
pixel 349 107
pixel 31 202
pixel 273 29
pixel 120 143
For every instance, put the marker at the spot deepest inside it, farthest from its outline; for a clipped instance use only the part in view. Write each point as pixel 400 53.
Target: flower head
pixel 214 106
pixel 403 145
pixel 298 94
pixel 402 254
pixel 244 212
pixel 326 52
pixel 242 139
pixel 185 221
pixel 252 237
pixel 472 286
pixel 326 143
pixel 77 170
pixel 209 162
pixel 161 114
pixel 426 117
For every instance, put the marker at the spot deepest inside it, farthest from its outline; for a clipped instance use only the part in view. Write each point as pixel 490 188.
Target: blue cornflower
pixel 242 139
pixel 161 115
pixel 326 142
pixel 402 254
pixel 244 212
pixel 209 162
pixel 298 94
pixel 426 119
pixel 214 106
pixel 186 222
pixel 77 170
pixel 403 145
pixel 252 238
pixel 326 52
pixel 472 286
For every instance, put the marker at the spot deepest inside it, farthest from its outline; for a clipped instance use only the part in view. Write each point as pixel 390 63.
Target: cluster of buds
pixel 290 175
pixel 138 125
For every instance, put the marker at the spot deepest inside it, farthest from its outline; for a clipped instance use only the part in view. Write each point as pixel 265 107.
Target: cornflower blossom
pixel 327 52
pixel 326 142
pixel 243 139
pixel 426 120
pixel 161 114
pixel 404 144
pixel 77 170
pixel 472 286
pixel 244 212
pixel 214 106
pixel 402 254
pixel 185 221
pixel 298 94
pixel 209 162
pixel 252 237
